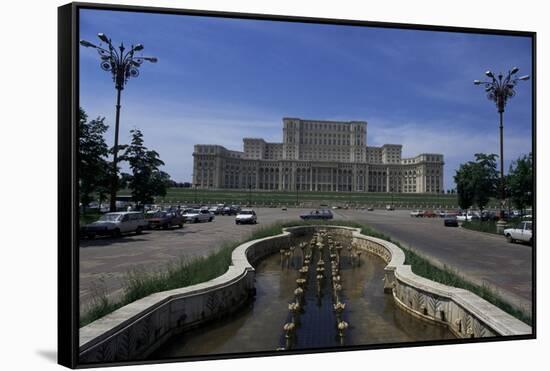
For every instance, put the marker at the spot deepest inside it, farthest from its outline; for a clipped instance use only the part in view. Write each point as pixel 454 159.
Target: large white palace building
pixel 317 155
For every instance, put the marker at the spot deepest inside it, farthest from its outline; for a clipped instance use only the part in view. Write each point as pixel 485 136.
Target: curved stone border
pixel 463 312
pixel 136 330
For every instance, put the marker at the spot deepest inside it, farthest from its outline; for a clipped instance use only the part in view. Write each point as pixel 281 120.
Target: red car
pixel 166 219
pixel 429 214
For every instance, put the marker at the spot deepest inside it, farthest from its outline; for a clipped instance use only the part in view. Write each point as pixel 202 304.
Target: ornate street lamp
pixel 122 63
pixel 499 89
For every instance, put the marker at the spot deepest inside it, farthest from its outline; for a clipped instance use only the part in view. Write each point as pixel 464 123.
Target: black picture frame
pixel 68 104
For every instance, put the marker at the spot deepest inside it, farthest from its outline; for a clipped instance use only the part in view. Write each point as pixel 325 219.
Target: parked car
pixel 450 221
pixel 166 219
pixel 488 215
pixel 417 213
pixel 523 232
pixel 429 214
pixel 115 224
pixel 390 207
pixel 467 216
pixel 246 216
pixel 227 210
pixel 324 214
pixel 216 210
pixel 370 209
pixel 284 208
pixel 198 215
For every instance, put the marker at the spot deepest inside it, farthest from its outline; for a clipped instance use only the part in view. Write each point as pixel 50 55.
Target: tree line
pixel 95 170
pixel 479 180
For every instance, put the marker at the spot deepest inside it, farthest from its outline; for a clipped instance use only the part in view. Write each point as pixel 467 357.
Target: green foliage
pixel 487 226
pixel 100 308
pixel 88 218
pixel 139 284
pixel 146 180
pixel 490 226
pixel 520 182
pixel 93 168
pixel 307 199
pixel 476 181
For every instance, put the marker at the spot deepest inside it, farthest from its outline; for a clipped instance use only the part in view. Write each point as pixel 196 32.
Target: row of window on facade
pixel 326 126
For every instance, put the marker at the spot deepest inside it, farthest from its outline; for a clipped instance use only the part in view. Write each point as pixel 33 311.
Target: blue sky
pixel 219 80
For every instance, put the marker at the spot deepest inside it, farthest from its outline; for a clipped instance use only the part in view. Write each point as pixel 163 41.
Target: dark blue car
pixel 318 214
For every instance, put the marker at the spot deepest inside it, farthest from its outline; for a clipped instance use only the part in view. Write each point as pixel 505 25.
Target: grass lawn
pixel 308 199
pixel 489 226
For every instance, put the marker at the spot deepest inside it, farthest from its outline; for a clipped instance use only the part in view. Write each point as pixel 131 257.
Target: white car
pixel 115 224
pixel 246 216
pixel 198 215
pixel 466 217
pixel 523 232
pixel 417 213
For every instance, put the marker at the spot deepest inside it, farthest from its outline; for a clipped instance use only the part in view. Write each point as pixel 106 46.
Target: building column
pixel 354 178
pixel 257 177
pixel 218 177
pixel 315 187
pixel 293 177
pixel 387 179
pixel 280 177
pixel 366 178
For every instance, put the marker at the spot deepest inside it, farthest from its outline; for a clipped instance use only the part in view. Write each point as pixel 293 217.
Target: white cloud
pixel 450 139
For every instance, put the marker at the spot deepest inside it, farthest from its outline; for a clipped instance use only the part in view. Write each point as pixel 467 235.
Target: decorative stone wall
pixel 136 330
pixel 465 314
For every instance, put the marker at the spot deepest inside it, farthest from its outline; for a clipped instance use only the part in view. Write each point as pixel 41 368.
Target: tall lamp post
pixel 499 89
pixel 123 64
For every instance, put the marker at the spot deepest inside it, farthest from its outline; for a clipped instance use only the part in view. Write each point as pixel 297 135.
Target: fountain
pixel 315 291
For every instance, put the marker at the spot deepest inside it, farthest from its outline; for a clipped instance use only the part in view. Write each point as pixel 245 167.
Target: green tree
pixel 486 179
pixel 464 186
pixel 520 182
pixel 476 181
pixel 93 168
pixel 145 180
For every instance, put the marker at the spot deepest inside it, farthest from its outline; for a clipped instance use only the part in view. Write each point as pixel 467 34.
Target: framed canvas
pixel 238 185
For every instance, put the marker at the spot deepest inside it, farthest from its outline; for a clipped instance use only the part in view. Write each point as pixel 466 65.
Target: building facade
pixel 315 155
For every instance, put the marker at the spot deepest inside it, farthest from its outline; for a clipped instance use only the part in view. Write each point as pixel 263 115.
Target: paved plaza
pixel 479 257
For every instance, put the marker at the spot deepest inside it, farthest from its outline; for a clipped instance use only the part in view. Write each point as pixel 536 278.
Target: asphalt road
pixel 479 257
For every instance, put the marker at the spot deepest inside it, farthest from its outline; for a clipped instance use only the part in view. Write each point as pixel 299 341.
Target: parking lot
pixel 104 261
pixel 480 257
